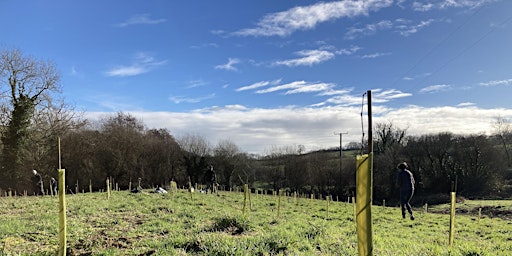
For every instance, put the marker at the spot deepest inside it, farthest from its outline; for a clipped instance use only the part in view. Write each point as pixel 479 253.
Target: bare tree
pixel 122 157
pixel 476 164
pixel 26 84
pixel 503 131
pixel 195 144
pixel 225 155
pixel 195 156
pixel 161 157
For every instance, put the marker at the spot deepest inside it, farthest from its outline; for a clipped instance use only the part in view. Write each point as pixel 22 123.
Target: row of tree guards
pixel 247 204
pixel 362 207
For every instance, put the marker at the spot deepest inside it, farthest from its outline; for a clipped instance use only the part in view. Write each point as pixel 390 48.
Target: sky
pixel 268 75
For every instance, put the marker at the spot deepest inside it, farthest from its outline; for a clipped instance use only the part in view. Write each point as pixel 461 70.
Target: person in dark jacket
pixel 405 180
pixel 37 180
pixel 210 178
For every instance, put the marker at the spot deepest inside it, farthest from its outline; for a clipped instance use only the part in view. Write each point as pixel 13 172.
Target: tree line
pixel 121 148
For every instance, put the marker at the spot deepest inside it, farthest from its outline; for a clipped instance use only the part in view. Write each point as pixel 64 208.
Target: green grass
pixel 156 224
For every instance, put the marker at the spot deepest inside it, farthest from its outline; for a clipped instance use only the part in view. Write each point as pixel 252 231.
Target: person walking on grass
pixel 405 180
pixel 37 180
pixel 211 180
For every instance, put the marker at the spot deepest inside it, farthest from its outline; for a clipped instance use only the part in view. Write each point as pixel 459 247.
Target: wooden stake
pixel 62 207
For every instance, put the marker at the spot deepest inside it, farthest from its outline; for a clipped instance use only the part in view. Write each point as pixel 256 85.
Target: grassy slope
pixel 155 224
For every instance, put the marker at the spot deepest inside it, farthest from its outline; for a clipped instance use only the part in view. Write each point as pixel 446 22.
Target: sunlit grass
pixel 156 224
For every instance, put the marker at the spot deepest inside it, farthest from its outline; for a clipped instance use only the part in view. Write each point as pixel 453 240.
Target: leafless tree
pixel 196 151
pixel 503 130
pixel 26 85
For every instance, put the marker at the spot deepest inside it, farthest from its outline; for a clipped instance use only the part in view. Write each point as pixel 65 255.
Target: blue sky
pixel 272 74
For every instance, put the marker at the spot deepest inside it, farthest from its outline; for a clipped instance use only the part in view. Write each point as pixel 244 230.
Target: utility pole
pixel 341 148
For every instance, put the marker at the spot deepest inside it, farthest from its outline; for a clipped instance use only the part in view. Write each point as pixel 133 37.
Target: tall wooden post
pixel 62 207
pixel 370 134
pixel 364 184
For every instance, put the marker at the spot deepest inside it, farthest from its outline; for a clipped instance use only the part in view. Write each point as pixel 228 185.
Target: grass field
pixel 205 224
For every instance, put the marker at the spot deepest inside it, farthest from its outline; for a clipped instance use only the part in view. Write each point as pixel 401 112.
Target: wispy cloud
pixel 196 83
pixel 335 96
pixel 348 51
pixel 375 55
pixel 369 29
pixel 308 17
pixel 400 26
pixel 498 82
pixel 466 104
pixel 381 96
pixel 347 98
pixel 316 56
pixel 407 29
pixel 297 87
pixel 183 99
pixel 308 58
pixel 409 78
pixel 343 99
pixel 230 65
pixel 422 7
pixel 138 19
pixel 428 5
pixel 142 63
pixel 258 85
pixel 435 88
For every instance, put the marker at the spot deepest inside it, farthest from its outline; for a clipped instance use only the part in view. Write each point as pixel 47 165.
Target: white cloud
pixel 335 96
pixel 137 19
pixel 498 82
pixel 466 104
pixel 142 63
pixel 435 88
pixel 401 26
pixel 183 99
pixel 298 87
pixel 309 58
pixel 307 17
pixel 254 130
pixel 428 5
pixel 381 96
pixel 315 87
pixel 127 71
pixel 375 55
pixel 258 85
pixel 407 30
pixel 369 29
pixel 345 100
pixel 458 120
pixel 422 7
pixel 196 83
pixel 408 78
pixel 288 86
pixel 230 65
pixel 348 51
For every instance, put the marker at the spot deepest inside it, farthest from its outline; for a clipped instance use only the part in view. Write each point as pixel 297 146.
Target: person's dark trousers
pixel 405 198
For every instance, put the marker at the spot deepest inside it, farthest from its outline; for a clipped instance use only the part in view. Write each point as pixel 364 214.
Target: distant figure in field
pixel 37 180
pixel 53 185
pixel 405 180
pixel 211 179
